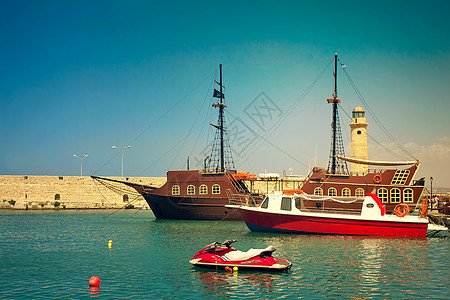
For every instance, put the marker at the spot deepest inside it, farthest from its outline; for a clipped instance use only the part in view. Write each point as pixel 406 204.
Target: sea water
pixel 52 255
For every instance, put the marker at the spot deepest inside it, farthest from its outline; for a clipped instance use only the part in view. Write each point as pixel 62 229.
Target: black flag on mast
pixel 218 94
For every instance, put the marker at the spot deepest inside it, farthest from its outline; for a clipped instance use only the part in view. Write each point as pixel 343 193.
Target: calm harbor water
pixel 52 255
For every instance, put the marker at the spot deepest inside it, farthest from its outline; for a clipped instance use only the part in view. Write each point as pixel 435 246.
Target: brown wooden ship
pixel 202 194
pixel 392 186
pixel 196 195
pixel 392 182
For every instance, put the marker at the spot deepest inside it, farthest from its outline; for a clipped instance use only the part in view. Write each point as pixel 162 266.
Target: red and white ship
pixel 287 213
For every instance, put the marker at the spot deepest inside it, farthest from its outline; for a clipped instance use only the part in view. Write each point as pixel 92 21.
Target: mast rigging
pixel 221 157
pixel 337 144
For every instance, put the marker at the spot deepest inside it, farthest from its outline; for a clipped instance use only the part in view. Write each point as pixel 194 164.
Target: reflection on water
pixel 224 283
pixel 94 291
pixel 342 267
pixel 53 255
pixel 371 262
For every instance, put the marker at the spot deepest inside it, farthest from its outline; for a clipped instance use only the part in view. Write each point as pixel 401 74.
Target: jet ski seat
pixel 241 255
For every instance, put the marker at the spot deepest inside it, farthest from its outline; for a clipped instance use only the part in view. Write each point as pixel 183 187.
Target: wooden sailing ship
pixel 392 182
pixel 202 194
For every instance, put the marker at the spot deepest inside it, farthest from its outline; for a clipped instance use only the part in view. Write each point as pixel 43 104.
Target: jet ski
pixel 223 256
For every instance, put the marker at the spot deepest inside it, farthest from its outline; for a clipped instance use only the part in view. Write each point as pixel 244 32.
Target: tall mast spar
pixel 333 164
pixel 221 156
pixel 335 100
pixel 337 147
pixel 222 167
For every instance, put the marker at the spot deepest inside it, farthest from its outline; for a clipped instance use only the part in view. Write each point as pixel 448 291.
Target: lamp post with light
pixel 81 158
pixel 123 148
pixel 431 198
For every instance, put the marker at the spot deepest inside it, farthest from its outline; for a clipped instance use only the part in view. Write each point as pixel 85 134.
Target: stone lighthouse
pixel 359 140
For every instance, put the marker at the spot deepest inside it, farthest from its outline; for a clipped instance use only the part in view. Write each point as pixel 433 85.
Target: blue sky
pixel 80 76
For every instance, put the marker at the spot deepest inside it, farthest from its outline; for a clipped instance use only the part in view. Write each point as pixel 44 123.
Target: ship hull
pixel 196 195
pixel 167 207
pixel 265 222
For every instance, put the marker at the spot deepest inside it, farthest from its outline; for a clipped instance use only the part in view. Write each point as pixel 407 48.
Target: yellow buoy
pixel 235 269
pixel 109 244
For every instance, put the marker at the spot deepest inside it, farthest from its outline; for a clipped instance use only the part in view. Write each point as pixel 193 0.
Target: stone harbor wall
pixel 59 192
pixel 74 192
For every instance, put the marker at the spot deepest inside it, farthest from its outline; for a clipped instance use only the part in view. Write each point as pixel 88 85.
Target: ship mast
pixel 222 167
pixel 221 158
pixel 337 144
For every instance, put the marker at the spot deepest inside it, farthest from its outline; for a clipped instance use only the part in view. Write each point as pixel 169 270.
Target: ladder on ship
pixel 239 185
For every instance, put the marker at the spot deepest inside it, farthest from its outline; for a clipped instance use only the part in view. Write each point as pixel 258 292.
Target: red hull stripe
pixel 317 225
pixel 379 203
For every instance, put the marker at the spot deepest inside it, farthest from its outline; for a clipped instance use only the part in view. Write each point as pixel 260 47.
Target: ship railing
pixel 236 184
pixel 240 199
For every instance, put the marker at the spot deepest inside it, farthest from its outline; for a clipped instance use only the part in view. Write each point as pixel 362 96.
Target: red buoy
pixel 94 281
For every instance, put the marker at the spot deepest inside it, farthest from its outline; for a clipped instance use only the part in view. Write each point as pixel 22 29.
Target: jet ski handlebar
pixel 216 246
pixel 228 243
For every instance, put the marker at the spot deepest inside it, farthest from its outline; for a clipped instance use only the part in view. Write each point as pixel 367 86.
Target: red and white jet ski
pixel 222 255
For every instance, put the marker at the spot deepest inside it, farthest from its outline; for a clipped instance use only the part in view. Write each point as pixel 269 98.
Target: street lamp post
pixel 123 148
pixel 81 158
pixel 431 198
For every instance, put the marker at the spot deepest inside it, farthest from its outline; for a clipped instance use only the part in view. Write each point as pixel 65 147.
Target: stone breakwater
pixel 74 192
pixel 69 192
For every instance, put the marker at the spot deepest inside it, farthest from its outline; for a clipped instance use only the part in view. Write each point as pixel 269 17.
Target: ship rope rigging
pixel 221 157
pixel 265 137
pixel 340 166
pixel 121 191
pixel 374 116
pixel 182 142
pixel 336 166
pixel 193 125
pixel 269 142
pixel 262 138
pixel 376 141
pixel 162 116
pixel 118 189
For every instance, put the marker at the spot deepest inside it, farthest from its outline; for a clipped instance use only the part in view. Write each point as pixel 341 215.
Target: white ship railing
pixel 240 199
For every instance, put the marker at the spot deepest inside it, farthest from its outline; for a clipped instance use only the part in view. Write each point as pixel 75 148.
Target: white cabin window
pixel 298 203
pixel 265 203
pixel 286 203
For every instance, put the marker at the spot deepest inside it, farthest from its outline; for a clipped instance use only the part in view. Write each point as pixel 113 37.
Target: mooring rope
pixel 119 191
pixel 129 203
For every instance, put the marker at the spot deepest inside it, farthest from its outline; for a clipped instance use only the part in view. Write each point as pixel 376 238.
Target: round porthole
pixel 358 132
pixel 369 205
